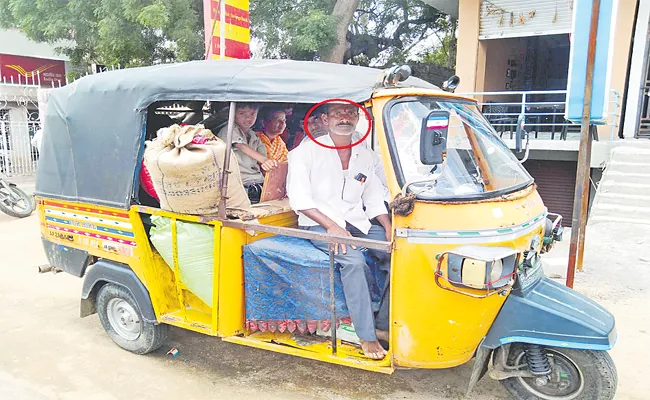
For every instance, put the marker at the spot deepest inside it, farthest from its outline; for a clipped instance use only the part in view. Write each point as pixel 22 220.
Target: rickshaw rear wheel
pixel 575 375
pixel 122 320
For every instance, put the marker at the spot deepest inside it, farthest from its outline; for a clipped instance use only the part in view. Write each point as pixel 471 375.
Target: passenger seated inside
pixel 329 189
pixel 249 150
pixel 274 123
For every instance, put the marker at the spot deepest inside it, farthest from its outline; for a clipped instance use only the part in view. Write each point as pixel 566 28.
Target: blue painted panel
pixel 554 315
pixel 578 60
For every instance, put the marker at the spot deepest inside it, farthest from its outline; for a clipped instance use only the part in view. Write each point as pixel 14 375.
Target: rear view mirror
pixel 519 135
pixel 451 84
pixel 433 138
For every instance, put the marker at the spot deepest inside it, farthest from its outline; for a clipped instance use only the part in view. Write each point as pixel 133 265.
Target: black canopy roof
pixel 94 127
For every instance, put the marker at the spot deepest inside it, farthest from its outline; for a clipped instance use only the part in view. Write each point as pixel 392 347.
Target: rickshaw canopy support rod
pixel 332 303
pixel 226 162
pixel 304 234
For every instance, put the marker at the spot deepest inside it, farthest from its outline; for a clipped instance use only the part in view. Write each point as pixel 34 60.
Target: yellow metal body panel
pixel 314 348
pixel 432 327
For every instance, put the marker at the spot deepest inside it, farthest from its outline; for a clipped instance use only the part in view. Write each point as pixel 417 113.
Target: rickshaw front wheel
pixel 122 320
pixel 575 375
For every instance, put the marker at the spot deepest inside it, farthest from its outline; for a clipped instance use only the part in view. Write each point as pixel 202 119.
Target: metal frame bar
pixel 177 272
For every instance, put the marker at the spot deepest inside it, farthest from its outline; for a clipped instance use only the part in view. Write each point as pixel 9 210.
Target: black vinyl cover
pixel 94 127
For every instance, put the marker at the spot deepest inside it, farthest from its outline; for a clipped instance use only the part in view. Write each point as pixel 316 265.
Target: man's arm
pixel 266 163
pixel 332 228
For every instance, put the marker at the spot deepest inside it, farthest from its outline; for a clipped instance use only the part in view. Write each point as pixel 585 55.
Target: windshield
pixel 477 162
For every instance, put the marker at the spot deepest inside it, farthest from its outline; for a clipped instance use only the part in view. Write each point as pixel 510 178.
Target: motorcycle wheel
pixel 16 203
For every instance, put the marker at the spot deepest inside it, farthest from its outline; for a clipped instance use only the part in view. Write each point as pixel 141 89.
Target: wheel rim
pixel 15 202
pixel 566 381
pixel 124 319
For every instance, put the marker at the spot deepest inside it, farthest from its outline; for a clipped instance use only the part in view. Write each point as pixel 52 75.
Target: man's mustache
pixel 344 124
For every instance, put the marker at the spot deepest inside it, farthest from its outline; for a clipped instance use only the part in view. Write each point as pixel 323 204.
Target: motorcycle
pixel 15 202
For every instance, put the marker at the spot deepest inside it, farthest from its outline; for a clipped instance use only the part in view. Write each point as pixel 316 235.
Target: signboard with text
pixel 31 70
pixel 230 30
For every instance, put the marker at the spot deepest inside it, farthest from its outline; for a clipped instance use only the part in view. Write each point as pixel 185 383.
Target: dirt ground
pixel 48 352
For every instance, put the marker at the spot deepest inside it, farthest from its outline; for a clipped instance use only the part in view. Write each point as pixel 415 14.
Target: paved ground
pixel 47 352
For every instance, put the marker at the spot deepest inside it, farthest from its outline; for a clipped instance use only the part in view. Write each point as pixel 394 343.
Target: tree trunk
pixel 343 12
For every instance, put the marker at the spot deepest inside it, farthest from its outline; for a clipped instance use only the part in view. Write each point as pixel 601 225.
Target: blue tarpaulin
pixel 287 278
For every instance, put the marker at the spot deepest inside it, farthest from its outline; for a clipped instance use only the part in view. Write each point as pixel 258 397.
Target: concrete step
pixel 619 218
pixel 620 199
pixel 630 210
pixel 618 177
pixel 629 167
pixel 614 187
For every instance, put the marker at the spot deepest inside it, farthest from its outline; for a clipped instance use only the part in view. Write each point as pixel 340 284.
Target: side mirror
pixel 397 74
pixel 520 132
pixel 433 138
pixel 451 84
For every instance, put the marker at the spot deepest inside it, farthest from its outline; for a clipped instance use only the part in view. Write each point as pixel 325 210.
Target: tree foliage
pixel 126 32
pixel 381 32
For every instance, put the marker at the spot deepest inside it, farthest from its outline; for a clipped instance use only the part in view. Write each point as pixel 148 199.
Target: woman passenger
pixel 274 123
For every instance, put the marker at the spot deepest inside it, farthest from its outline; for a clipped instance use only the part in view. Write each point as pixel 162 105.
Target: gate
pixel 19 121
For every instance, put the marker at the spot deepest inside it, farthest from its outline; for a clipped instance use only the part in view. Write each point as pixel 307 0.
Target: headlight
pixel 497 271
pixel 477 267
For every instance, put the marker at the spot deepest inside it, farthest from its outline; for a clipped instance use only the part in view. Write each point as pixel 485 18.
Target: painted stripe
pixel 85 218
pixel 85 229
pixel 233 32
pixel 233 49
pixel 241 4
pixel 110 214
pixel 235 16
pixel 92 235
pixel 556 343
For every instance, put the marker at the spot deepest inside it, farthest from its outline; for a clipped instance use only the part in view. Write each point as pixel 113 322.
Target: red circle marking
pixel 337 101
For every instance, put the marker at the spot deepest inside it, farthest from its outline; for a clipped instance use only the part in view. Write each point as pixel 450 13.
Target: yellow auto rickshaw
pixel 466 275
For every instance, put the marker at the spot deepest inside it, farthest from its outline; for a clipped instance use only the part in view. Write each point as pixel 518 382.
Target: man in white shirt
pixel 329 189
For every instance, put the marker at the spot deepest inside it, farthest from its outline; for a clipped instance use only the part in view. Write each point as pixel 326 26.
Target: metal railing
pixel 19 121
pixel 30 80
pixel 543 112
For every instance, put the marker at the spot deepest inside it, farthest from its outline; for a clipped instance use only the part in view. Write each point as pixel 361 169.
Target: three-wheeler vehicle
pixel 466 277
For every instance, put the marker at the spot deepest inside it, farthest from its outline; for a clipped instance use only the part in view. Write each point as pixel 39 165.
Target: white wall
pixel 13 41
pixel 637 71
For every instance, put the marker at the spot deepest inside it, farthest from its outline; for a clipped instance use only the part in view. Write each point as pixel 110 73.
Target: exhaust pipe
pixel 42 269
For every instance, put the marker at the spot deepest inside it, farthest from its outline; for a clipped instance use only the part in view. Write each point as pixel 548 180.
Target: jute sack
pixel 187 175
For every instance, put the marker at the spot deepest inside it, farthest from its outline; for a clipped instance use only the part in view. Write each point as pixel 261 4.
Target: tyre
pixel 15 203
pixel 576 375
pixel 122 320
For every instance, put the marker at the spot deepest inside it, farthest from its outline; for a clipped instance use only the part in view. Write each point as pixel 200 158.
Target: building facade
pixel 27 68
pixel 513 56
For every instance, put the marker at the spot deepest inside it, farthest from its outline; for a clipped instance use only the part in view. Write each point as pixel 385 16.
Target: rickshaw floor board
pixel 314 348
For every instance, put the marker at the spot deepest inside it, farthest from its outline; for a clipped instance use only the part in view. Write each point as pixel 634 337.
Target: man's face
pixel 245 117
pixel 276 124
pixel 316 125
pixel 342 119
